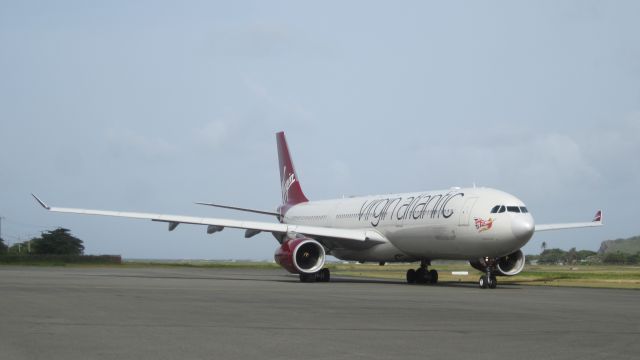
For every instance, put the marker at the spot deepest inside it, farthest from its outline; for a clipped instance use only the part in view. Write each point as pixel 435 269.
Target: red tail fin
pixel 291 191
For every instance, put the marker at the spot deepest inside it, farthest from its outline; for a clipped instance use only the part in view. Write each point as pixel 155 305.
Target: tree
pixel 552 256
pixel 543 246
pixel 614 258
pixel 584 254
pixel 19 248
pixel 572 256
pixel 3 247
pixel 621 258
pixel 59 242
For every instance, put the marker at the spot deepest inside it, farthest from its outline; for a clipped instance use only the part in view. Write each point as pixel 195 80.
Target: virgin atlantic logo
pixel 433 206
pixel 286 185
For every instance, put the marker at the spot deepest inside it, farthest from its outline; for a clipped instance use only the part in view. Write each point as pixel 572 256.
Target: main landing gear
pixel 489 279
pixel 323 275
pixel 422 275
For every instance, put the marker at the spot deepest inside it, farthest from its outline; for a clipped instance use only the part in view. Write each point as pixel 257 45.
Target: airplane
pixel 485 226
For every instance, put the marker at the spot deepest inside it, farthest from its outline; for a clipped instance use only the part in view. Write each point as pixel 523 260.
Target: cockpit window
pixel 513 209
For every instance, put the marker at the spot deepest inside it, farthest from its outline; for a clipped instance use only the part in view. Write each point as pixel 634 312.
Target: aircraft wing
pixel 330 237
pixel 597 221
pixel 239 208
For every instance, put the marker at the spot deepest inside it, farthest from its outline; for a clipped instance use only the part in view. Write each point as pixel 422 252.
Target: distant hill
pixel 629 246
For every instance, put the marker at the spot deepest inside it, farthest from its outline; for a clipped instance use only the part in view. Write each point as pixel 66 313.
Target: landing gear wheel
pixel 421 276
pixel 322 275
pixel 411 276
pixel 325 275
pixel 433 277
pixel 307 277
pixel 493 282
pixel 483 282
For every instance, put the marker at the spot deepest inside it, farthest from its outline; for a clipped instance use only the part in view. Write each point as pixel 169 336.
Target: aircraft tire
pixel 433 277
pixel 493 282
pixel 325 275
pixel 411 276
pixel 483 282
pixel 421 276
pixel 308 277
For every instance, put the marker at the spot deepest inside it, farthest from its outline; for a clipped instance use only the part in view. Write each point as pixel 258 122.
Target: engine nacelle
pixel 300 256
pixel 509 265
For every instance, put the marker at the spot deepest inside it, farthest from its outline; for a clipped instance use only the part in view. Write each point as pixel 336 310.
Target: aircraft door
pixel 465 214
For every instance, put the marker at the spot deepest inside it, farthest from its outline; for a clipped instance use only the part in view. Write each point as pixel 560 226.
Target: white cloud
pixel 541 162
pixel 214 133
pixel 257 40
pixel 279 108
pixel 340 174
pixel 557 160
pixel 128 142
pixel 614 148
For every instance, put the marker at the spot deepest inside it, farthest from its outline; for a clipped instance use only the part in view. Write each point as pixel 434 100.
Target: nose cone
pixel 522 228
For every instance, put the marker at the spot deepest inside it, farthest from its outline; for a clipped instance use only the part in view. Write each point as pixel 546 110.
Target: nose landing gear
pixel 422 275
pixel 488 282
pixel 489 279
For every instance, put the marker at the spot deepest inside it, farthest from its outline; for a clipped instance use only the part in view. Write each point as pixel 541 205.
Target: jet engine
pixel 509 265
pixel 300 256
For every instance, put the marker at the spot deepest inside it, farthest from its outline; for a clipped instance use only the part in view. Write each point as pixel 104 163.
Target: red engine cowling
pixel 509 265
pixel 300 256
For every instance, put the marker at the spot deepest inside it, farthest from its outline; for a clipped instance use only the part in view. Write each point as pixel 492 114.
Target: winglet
pixel 41 202
pixel 598 217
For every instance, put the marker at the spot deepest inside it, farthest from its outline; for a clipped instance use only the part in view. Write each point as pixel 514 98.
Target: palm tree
pixel 543 246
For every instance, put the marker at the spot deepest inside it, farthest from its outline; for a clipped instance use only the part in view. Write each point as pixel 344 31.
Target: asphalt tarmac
pixel 196 313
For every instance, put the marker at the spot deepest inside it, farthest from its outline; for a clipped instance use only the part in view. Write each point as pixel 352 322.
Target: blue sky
pixel 152 105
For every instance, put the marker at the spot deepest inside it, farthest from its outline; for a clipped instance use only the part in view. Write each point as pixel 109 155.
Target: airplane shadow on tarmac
pixel 449 284
pixel 294 279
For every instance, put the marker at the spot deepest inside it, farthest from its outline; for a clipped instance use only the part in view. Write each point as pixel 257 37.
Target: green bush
pixel 621 258
pixel 3 247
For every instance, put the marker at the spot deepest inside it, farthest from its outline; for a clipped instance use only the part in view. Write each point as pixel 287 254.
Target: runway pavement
pixel 196 313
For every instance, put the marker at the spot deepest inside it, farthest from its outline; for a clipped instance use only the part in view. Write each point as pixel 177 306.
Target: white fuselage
pixel 449 224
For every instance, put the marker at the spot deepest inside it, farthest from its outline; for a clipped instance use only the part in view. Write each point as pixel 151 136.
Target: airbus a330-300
pixel 485 226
